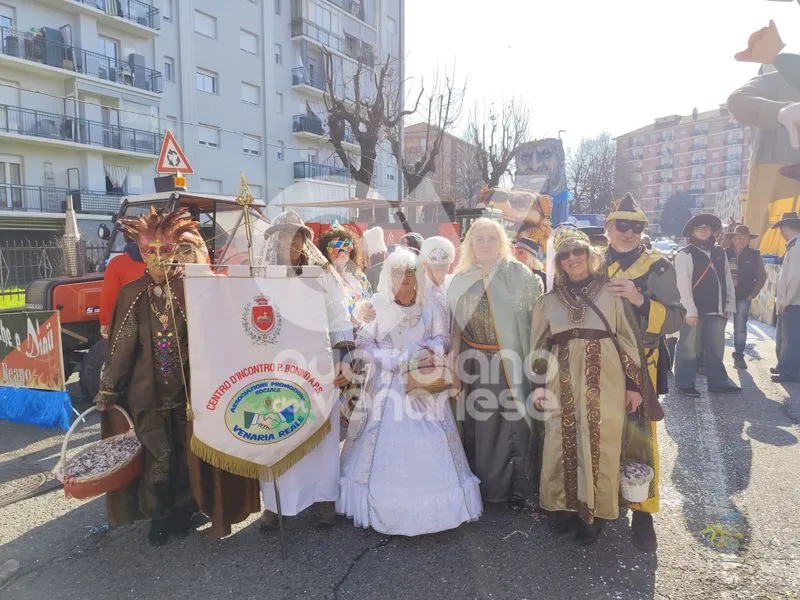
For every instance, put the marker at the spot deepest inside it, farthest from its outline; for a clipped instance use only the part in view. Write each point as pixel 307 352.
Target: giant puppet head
pixel 166 240
pixel 541 167
pixel 526 214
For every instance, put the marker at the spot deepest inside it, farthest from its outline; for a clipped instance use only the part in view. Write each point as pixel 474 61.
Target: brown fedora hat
pixel 740 230
pixel 788 218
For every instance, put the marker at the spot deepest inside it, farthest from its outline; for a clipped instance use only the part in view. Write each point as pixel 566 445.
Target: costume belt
pixel 477 346
pixel 577 333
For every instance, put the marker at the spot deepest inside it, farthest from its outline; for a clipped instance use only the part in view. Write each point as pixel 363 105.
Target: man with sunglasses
pixel 646 279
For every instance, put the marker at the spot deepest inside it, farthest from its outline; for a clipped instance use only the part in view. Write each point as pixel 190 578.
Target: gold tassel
pixel 245 468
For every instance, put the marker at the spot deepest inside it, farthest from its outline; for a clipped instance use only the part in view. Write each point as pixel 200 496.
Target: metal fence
pixel 22 262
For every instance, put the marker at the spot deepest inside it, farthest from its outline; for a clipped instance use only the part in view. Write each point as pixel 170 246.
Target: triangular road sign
pixel 171 159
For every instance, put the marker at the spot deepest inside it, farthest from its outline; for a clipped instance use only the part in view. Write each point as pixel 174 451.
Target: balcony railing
pixel 32 198
pixel 306 124
pixel 738 139
pixel 700 146
pixel 304 76
pixel 33 47
pixel 135 11
pixel 664 165
pixel 318 34
pixel 354 8
pixel 53 126
pixel 309 170
pixel 698 161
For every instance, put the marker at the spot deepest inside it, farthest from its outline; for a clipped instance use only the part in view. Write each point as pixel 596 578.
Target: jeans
pixel 740 327
pixel 789 357
pixel 707 336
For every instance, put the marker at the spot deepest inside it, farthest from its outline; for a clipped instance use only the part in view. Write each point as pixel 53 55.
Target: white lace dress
pixel 406 472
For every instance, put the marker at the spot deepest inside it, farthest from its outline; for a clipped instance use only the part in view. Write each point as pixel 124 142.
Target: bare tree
pixel 498 135
pixel 591 173
pixel 440 110
pixel 366 116
pixel 468 181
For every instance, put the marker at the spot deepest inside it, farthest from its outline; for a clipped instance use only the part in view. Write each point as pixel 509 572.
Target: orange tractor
pixel 77 298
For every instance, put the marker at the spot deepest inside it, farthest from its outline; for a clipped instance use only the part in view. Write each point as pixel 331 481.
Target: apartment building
pixel 79 108
pixel 702 154
pixel 454 176
pixel 87 88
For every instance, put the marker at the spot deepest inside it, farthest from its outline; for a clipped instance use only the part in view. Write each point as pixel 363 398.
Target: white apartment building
pixel 87 88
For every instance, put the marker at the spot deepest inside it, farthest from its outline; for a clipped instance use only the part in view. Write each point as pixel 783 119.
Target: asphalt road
pixel 730 468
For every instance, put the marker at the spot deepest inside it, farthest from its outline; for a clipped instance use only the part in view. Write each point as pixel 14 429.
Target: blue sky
pixel 590 66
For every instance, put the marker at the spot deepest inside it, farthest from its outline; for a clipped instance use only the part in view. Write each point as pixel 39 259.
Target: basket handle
pixel 63 460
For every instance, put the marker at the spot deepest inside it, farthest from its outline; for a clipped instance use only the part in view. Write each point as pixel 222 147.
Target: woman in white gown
pixel 404 471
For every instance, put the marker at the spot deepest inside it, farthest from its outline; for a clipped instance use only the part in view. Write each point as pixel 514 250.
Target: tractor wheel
pixel 91 367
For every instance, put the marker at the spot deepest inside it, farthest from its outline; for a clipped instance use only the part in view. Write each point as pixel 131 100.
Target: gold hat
pixel 626 209
pixel 567 235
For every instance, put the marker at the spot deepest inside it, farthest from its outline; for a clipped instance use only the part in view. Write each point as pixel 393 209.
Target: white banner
pixel 261 367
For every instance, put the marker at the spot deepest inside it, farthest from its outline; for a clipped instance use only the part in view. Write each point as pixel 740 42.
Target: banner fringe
pixel 251 470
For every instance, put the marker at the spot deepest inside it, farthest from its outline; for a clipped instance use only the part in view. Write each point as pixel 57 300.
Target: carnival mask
pixel 166 241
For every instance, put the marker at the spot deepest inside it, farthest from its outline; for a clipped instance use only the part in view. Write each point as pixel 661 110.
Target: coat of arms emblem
pixel 262 321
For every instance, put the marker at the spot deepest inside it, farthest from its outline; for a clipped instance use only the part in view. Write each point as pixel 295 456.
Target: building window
pixel 248 41
pixel 278 7
pixel 208 136
pixel 250 93
pixel 166 11
pixel 169 68
pixel 211 186
pixel 251 145
pixel 279 103
pixel 107 47
pixel 281 150
pixel 206 81
pixel 278 54
pixel 10 176
pixel 205 24
pixel 7 14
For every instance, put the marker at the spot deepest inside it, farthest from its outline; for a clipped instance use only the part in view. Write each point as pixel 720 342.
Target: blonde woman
pixel 587 375
pixel 491 298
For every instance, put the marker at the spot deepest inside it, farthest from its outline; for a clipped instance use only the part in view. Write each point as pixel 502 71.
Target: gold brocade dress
pixel 586 384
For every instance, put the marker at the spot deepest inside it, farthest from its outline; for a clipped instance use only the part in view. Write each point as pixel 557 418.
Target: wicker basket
pixel 637 491
pixel 433 379
pixel 112 480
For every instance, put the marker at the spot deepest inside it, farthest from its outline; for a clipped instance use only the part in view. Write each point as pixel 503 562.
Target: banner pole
pixel 280 516
pixel 245 200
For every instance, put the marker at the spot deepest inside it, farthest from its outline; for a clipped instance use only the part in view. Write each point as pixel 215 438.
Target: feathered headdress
pixel 173 227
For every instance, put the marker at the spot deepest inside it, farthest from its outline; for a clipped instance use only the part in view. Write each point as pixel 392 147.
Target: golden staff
pixel 245 199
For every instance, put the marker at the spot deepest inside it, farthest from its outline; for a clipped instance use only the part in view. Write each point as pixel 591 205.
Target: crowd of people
pixel 547 396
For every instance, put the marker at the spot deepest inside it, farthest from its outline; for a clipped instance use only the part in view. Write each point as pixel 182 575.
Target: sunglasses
pixel 625 226
pixel 576 252
pixel 340 245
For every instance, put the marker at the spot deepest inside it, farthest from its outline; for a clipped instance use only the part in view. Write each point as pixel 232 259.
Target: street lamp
pixel 560 131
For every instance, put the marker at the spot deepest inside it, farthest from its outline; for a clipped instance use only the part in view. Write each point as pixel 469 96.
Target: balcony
pixel 664 165
pixel 698 161
pixel 355 9
pixel 733 125
pixel 33 47
pixel 134 11
pixel 697 190
pixel 64 128
pixel 309 170
pixel 664 179
pixel 31 198
pixel 736 139
pixel 733 157
pixel 699 145
pixel 304 124
pixel 699 131
pixel 306 78
pixel 328 39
